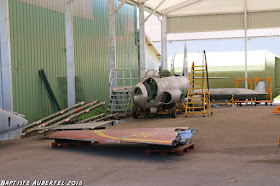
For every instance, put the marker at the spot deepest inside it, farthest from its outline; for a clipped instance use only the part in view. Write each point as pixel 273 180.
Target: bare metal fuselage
pixel 153 92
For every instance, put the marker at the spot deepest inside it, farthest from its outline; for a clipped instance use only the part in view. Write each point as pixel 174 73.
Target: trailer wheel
pixel 135 113
pixel 173 112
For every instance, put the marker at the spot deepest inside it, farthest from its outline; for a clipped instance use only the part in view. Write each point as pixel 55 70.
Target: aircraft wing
pixel 238 93
pixel 11 125
pixel 211 77
pixel 158 136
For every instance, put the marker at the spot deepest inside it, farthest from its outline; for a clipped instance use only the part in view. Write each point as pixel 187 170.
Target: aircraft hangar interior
pixel 139 92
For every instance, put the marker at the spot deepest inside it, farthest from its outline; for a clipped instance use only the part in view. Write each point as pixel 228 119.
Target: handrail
pixel 124 70
pixel 126 76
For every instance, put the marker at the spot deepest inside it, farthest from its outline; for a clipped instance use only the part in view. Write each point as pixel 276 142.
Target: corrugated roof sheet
pixel 153 30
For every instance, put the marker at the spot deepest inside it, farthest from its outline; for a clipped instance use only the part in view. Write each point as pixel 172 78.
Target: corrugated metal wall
pixel 266 19
pixel 151 59
pixel 270 44
pixel 92 49
pixel 38 41
pixel 126 32
pixel 203 23
pixel 223 45
pixel 218 22
pixel 91 54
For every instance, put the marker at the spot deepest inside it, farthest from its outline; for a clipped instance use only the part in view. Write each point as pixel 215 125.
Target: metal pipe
pixel 130 78
pixel 69 43
pixel 142 40
pixel 123 78
pixel 154 10
pixel 91 118
pixel 61 117
pixel 164 43
pixel 53 115
pixel 245 28
pixel 117 9
pixel 185 63
pixel 112 115
pixel 78 114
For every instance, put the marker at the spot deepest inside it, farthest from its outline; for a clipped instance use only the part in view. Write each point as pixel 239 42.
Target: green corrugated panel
pixel 269 63
pixel 92 54
pixel 92 50
pixel 37 41
pixel 127 50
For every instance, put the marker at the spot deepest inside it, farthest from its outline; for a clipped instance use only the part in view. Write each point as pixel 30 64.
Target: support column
pixel 112 38
pixel 71 98
pixel 245 29
pixel 6 73
pixel 142 40
pixel 164 43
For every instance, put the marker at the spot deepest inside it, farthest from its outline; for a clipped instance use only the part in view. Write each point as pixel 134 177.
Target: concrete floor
pixel 234 144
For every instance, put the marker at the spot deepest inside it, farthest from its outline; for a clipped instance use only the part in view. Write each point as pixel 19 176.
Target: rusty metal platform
pixel 157 136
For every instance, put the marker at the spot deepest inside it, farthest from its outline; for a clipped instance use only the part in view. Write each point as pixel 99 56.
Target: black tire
pixel 135 113
pixel 173 112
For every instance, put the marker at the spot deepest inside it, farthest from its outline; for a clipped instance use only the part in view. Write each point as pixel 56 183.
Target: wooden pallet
pixel 164 151
pixel 69 144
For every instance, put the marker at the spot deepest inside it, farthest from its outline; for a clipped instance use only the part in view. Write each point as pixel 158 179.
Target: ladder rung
pixel 119 100
pixel 197 75
pixel 194 107
pixel 195 112
pixel 116 109
pixel 194 88
pixel 126 95
pixel 195 84
pixel 195 98
pixel 117 104
pixel 198 70
pixel 195 93
pixel 195 102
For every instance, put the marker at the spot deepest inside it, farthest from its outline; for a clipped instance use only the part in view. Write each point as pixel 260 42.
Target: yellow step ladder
pixel 197 97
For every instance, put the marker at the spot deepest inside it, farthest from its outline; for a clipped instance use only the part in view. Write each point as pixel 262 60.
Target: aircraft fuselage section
pixel 152 92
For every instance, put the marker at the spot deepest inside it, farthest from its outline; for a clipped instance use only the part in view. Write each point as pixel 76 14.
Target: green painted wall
pixel 38 41
pixel 277 76
pixel 232 75
pixel 92 50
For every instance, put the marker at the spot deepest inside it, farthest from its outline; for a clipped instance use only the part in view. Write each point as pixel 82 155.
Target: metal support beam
pixel 71 99
pixel 117 9
pixel 142 40
pixel 147 9
pixel 164 43
pixel 6 73
pixel 245 29
pixel 1 90
pixel 154 10
pixel 179 6
pixel 112 38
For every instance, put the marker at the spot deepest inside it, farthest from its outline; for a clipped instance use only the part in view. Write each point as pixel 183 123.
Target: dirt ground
pixel 234 144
